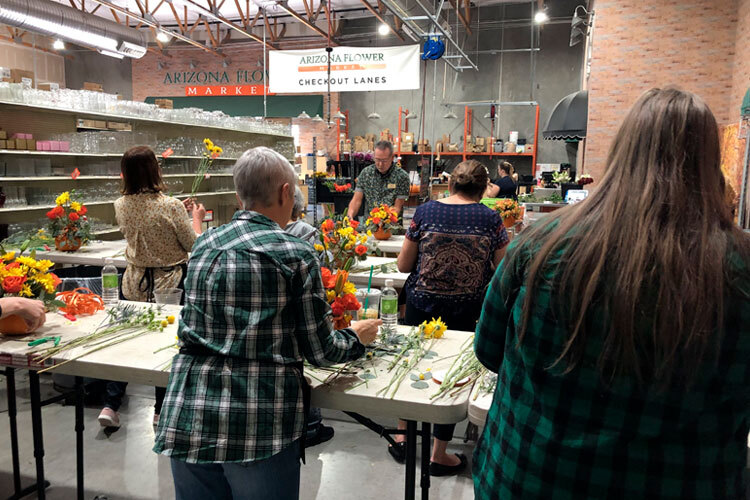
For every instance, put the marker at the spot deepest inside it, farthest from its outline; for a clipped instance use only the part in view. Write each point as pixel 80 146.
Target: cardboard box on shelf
pixel 453 147
pixel 407 147
pixel 100 124
pixel 528 148
pixel 3 135
pixel 488 144
pixel 22 76
pixel 95 87
pixel 2 144
pixel 10 144
pixel 48 86
pixel 438 191
pixel 31 144
pixel 407 136
pixel 20 143
pixel 119 126
pixel 164 103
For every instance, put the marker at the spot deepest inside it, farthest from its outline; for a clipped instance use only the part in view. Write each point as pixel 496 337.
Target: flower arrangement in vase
pixel 382 221
pixel 340 294
pixel 335 187
pixel 509 210
pixel 585 179
pixel 211 152
pixel 560 178
pixel 22 276
pixel 340 243
pixel 69 224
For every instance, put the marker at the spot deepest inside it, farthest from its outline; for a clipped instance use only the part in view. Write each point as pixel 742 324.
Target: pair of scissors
pixel 42 340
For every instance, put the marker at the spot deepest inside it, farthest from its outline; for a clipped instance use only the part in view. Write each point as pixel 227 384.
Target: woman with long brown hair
pixel 619 329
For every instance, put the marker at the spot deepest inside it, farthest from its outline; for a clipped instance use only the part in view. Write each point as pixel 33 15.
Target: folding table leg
pixel 36 425
pixel 10 381
pixel 426 452
pixel 80 395
pixel 411 459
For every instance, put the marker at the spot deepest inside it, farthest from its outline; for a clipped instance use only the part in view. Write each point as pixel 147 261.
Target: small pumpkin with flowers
pixel 383 220
pixel 509 210
pixel 69 224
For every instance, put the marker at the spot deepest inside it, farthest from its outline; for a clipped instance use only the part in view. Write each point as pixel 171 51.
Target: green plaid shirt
pixel 254 303
pixel 553 436
pixel 383 189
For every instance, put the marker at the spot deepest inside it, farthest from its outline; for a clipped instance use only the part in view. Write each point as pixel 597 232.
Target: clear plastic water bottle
pixel 389 306
pixel 110 285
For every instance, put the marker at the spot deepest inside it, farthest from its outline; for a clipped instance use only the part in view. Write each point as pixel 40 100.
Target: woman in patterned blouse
pixel 451 250
pixel 159 235
pixel 619 328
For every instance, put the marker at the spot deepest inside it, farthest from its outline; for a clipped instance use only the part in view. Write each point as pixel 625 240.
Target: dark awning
pixel 568 119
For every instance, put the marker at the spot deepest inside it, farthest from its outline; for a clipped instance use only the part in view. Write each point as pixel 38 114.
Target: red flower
pixel 83 210
pixel 350 302
pixel 337 308
pixel 329 280
pixel 327 225
pixel 354 223
pixel 55 280
pixel 13 265
pixel 360 250
pixel 13 284
pixel 394 219
pixel 56 212
pixel 376 220
pixel 73 216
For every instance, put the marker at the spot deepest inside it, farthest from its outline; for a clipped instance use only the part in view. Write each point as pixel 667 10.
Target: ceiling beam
pixel 465 19
pixel 382 19
pixel 154 24
pixel 285 6
pixel 230 24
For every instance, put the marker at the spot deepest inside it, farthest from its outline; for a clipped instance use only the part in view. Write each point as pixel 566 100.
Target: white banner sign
pixel 352 69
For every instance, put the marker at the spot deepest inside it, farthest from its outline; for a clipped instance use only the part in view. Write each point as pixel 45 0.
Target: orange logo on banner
pixel 224 90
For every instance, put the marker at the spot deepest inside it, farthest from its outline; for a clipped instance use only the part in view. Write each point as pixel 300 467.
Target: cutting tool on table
pixel 43 340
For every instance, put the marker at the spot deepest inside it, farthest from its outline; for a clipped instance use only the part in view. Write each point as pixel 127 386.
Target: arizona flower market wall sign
pixel 352 69
pixel 197 82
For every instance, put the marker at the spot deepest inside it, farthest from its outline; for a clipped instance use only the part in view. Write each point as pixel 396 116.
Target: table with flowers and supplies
pixel 384 268
pixel 365 386
pixel 92 254
pixel 392 246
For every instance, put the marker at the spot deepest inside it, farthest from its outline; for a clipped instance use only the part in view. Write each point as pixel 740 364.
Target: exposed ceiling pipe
pixel 436 23
pixel 54 19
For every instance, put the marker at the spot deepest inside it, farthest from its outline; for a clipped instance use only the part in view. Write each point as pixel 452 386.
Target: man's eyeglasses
pixel 383 162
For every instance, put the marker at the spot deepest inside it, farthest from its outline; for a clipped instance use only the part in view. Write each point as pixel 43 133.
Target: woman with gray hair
pixel 296 226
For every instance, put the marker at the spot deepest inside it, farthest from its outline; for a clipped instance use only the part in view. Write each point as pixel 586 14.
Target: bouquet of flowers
pixel 209 155
pixel 560 177
pixel 69 224
pixel 508 209
pixel 340 243
pixel 335 187
pixel 22 276
pixel 340 293
pixel 382 221
pixel 585 179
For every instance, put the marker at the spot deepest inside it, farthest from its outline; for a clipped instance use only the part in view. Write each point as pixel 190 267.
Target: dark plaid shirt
pixel 554 436
pixel 254 307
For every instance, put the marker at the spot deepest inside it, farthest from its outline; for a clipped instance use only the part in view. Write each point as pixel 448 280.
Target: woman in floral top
pixel 451 250
pixel 159 235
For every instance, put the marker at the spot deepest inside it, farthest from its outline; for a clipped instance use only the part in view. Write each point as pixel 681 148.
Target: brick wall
pixel 639 45
pixel 741 73
pixel 149 80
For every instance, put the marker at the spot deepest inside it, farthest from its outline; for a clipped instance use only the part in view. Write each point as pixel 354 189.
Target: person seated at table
pixel 451 249
pixel 32 311
pixel 296 226
pixel 255 307
pixel 159 234
pixel 505 185
pixel 619 329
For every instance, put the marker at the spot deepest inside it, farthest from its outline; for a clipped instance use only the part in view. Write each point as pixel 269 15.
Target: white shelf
pixel 79 112
pixel 96 177
pixel 30 208
pixel 25 152
pixel 108 231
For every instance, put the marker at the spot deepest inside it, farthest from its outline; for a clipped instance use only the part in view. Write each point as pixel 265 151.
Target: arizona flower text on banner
pixel 352 69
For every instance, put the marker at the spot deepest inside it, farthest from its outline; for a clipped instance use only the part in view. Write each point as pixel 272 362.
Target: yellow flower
pixel 63 198
pixel 43 265
pixel 75 205
pixel 26 291
pixel 349 288
pixel 438 327
pixel 369 233
pixel 427 329
pixel 330 296
pixel 208 143
pixel 46 281
pixel 363 239
pixel 170 319
pixel 9 256
pixel 319 247
pixel 349 246
pixel 421 376
pixel 26 261
pixel 217 150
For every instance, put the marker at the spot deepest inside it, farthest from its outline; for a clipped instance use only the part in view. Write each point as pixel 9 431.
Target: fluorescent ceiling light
pixel 541 17
pixel 58 45
pixel 111 53
pixel 162 37
pixel 383 29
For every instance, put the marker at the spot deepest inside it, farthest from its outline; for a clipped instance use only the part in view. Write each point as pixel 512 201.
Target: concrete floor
pixel 355 464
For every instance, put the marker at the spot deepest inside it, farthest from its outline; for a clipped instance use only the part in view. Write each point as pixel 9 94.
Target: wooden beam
pixel 182 27
pixel 308 8
pixel 464 20
pixel 243 17
pixel 381 19
pixel 315 16
pixel 95 9
pixel 140 7
pixel 270 30
pixel 256 18
pixel 301 19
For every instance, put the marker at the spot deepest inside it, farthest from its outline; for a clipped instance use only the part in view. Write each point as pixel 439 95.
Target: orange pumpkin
pixel 13 325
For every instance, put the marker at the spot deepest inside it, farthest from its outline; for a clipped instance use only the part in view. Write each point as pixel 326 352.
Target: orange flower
pixel 327 225
pixel 337 308
pixel 73 216
pixel 13 284
pixel 360 250
pixel 376 220
pixel 329 280
pixel 56 212
pixel 394 219
pixel 354 223
pixel 350 302
pixel 55 280
pixel 83 210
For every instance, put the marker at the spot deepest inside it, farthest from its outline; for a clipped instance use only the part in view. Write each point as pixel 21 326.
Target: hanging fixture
pixel 373 116
pixel 411 116
pixel 163 37
pixel 450 115
pixel 317 118
pixel 58 45
pixel 580 24
pixel 303 116
pixel 339 115
pixel 487 115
